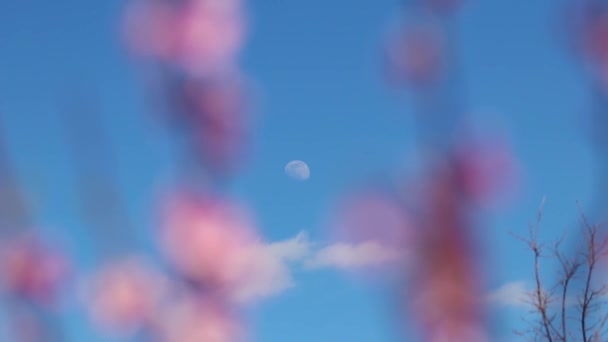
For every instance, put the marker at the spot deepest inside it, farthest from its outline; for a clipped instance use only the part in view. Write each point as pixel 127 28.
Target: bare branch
pixel 591 315
pixel 569 267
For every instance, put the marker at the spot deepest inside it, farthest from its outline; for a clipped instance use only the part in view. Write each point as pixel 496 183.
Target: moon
pixel 297 170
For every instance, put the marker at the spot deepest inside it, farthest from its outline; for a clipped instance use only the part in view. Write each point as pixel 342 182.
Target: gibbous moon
pixel 297 170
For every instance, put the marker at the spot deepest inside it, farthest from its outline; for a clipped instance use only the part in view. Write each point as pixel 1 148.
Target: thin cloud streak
pixel 352 256
pixel 273 264
pixel 514 294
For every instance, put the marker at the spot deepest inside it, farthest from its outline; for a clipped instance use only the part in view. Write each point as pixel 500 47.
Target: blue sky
pixel 322 100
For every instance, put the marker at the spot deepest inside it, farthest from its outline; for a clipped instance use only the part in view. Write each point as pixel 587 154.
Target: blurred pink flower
pixel 446 297
pixel 373 216
pixel 416 55
pixel 200 36
pixel 209 240
pixel 210 33
pixel 374 237
pixel 596 43
pixel 124 296
pixel 586 34
pixel 445 286
pixel 488 170
pixel 219 121
pixel 193 319
pixel 32 269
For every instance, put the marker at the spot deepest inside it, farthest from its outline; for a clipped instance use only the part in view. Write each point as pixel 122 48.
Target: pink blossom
pixel 200 36
pixel 374 216
pixel 210 33
pixel 219 121
pixel 31 269
pixel 445 287
pixel 209 240
pixel 595 33
pixel 416 55
pixel 371 226
pixel 488 170
pixel 192 319
pixel 595 44
pixel 125 295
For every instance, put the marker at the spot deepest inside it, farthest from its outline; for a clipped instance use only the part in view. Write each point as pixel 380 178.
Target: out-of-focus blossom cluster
pixel 444 287
pixel 588 36
pixel 200 320
pixel 487 170
pixel 215 119
pixel 417 51
pixel 432 216
pixel 378 220
pixel 415 54
pixel 132 296
pixel 210 241
pixel 213 244
pixel 34 277
pixel 586 23
pixel 125 295
pixel 197 44
pixel 213 258
pixel 373 215
pixel 200 37
pixel 32 270
pixel 432 221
